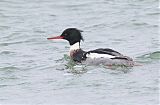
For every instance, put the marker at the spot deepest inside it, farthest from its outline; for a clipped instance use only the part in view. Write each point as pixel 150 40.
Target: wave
pixel 150 57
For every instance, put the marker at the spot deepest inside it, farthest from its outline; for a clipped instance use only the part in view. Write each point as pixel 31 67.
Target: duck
pixel 104 56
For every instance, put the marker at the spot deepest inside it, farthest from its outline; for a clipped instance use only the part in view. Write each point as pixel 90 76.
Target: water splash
pixel 71 66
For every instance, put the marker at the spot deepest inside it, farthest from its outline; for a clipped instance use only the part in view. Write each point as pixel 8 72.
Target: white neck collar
pixel 75 46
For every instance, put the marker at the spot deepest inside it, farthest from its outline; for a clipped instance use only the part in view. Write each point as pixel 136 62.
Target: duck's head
pixel 72 35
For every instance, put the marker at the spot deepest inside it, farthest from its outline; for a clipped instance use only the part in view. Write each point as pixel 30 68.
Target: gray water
pixel 33 71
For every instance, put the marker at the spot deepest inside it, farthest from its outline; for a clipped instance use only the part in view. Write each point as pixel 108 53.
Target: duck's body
pixel 103 56
pixel 100 56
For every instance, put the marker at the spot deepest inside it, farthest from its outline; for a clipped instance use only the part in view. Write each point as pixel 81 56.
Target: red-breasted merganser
pixel 103 56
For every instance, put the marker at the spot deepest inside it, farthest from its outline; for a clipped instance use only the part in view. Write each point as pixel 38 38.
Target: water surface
pixel 32 73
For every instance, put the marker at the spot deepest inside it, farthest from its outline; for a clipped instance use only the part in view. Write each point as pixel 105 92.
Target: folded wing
pixel 105 53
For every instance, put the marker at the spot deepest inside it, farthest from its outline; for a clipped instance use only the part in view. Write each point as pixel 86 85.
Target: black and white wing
pixel 105 53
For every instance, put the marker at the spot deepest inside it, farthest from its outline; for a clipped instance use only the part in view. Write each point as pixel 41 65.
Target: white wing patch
pixel 96 55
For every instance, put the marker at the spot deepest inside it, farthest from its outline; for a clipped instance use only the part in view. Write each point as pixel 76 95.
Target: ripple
pixel 13 43
pixel 4 27
pixel 151 14
pixel 39 31
pixel 143 24
pixel 6 53
pixel 150 57
pixel 7 72
pixel 8 78
pixel 153 55
pixel 140 24
pixel 1 86
pixel 9 68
